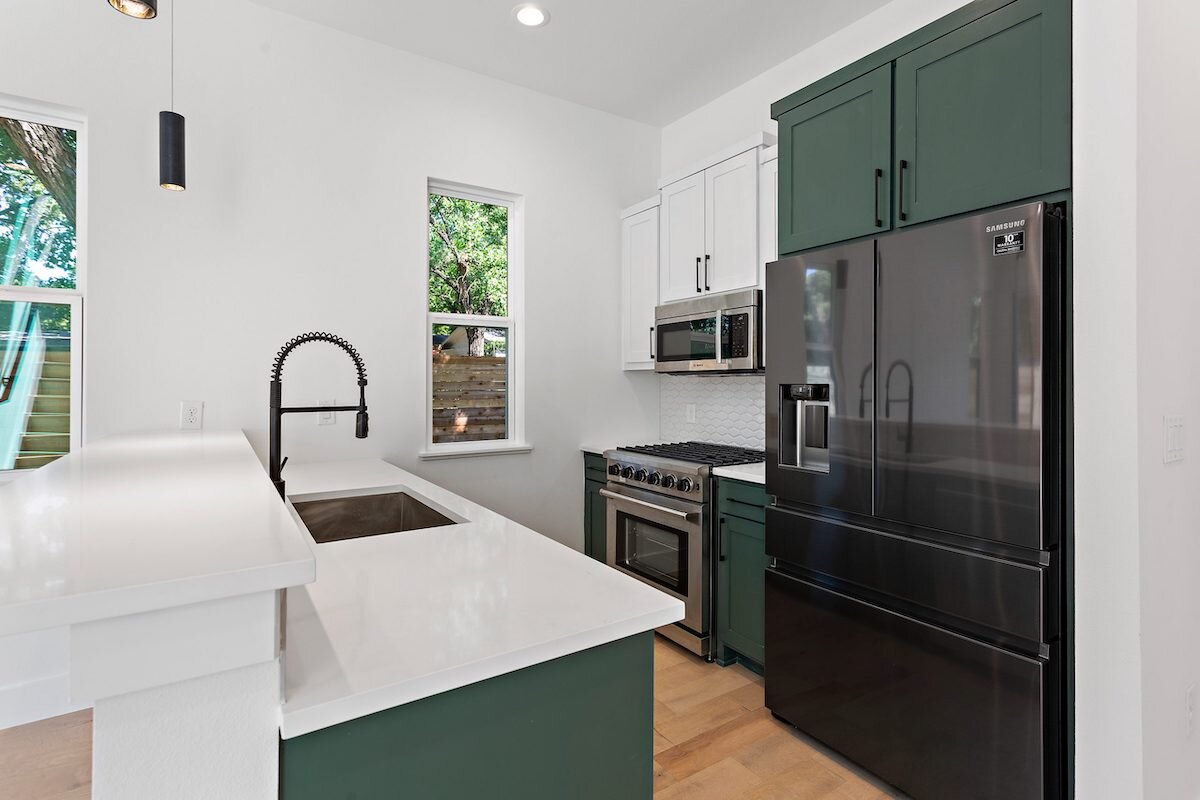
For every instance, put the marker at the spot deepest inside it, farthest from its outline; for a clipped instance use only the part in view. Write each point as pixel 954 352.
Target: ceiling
pixel 647 60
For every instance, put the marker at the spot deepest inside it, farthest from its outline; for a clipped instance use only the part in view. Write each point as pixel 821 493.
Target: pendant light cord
pixel 172 56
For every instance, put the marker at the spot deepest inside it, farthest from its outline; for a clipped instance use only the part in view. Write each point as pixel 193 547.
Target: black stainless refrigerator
pixel 916 424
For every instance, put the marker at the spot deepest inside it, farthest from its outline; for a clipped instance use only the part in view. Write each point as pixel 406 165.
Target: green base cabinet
pixel 983 114
pixel 835 156
pixel 578 727
pixel 741 572
pixel 595 507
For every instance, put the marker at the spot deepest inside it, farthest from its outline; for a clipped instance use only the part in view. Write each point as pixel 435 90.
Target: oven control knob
pixel 614 469
pixel 640 475
pixel 685 484
pixel 668 481
pixel 627 472
pixel 655 478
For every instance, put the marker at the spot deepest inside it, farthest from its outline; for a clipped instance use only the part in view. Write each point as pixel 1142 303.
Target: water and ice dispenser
pixel 804 426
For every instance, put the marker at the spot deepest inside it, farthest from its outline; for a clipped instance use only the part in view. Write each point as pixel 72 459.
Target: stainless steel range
pixel 660 524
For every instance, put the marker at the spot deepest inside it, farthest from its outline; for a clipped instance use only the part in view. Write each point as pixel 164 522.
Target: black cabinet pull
pixel 721 540
pixel 651 342
pixel 878 177
pixel 707 288
pixel 903 167
pixel 697 273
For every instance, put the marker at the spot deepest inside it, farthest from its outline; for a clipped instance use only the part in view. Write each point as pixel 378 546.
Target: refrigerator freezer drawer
pixel 937 715
pixel 983 595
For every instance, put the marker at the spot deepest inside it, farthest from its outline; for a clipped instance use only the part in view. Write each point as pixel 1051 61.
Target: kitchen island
pixel 473 659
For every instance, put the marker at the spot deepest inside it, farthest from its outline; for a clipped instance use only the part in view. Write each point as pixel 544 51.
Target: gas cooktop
pixel 715 455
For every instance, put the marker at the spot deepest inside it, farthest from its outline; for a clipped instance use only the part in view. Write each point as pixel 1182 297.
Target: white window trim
pixel 58 116
pixel 514 323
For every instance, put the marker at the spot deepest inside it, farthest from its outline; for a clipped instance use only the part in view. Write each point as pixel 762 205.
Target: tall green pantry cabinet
pixel 970 112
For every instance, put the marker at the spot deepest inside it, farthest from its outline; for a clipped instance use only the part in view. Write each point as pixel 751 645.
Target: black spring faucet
pixel 275 465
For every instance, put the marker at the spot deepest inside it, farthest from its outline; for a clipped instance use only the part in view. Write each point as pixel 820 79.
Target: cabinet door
pixel 834 157
pixel 731 224
pixel 983 114
pixel 596 522
pixel 741 570
pixel 639 288
pixel 681 239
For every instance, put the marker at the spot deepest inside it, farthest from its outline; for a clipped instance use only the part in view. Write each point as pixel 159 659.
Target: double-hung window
pixel 475 260
pixel 42 197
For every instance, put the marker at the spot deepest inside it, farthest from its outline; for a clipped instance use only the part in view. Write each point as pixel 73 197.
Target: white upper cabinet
pixel 639 286
pixel 731 224
pixel 710 229
pixel 682 239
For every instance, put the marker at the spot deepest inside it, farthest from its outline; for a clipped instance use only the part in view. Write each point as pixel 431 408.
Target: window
pixel 474 324
pixel 41 283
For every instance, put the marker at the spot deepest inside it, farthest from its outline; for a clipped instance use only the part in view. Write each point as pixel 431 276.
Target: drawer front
pixel 977 593
pixel 739 499
pixel 937 715
pixel 595 468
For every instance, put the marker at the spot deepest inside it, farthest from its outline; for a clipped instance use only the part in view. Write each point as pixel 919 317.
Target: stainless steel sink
pixel 361 515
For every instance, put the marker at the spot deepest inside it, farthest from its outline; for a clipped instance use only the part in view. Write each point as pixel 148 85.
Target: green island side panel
pixel 577 727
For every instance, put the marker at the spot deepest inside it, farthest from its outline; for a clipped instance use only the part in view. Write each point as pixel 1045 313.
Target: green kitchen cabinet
pixel 595 508
pixel 741 572
pixel 835 155
pixel 579 727
pixel 983 113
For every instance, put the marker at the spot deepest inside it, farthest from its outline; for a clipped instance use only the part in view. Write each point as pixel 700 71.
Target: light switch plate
pixel 1173 440
pixel 326 417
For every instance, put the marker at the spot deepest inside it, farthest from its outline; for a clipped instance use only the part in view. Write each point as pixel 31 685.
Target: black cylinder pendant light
pixel 171 172
pixel 138 9
pixel 171 162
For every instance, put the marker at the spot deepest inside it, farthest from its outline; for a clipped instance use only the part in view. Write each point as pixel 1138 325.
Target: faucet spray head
pixel 360 424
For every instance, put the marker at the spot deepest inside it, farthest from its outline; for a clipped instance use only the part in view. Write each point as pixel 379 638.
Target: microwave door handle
pixel 720 336
pixel 684 515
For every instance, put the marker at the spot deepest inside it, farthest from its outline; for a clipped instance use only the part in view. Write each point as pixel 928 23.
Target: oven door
pixel 661 542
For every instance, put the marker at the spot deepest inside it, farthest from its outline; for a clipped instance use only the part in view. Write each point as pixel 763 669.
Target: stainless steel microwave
pixel 711 334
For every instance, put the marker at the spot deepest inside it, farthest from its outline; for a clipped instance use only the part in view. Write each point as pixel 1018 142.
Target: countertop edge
pixel 335 712
pixel 143 598
pixel 747 473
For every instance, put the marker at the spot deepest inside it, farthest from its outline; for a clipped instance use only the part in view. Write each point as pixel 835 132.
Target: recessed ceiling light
pixel 531 15
pixel 138 9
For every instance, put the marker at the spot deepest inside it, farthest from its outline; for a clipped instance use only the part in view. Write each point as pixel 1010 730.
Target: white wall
pixel 308 155
pixel 1108 713
pixel 1168 380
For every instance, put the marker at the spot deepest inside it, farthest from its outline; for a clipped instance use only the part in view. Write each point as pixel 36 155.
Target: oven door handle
pixel 684 515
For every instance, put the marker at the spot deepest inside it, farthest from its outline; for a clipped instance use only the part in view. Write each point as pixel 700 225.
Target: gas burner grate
pixel 716 455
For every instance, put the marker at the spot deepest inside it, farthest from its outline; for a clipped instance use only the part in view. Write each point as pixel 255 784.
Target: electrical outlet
pixel 1189 708
pixel 191 415
pixel 1172 439
pixel 690 411
pixel 326 417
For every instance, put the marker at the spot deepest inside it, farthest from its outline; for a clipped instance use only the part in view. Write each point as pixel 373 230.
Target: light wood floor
pixel 48 760
pixel 713 739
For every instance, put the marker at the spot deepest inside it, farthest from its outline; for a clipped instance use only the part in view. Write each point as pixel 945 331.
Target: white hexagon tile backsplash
pixel 729 410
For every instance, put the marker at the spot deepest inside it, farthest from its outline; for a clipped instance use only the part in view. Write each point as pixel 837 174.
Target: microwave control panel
pixel 739 335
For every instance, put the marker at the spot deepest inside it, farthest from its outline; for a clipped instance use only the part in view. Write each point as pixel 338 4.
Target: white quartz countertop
pixel 750 473
pixel 140 523
pixel 398 617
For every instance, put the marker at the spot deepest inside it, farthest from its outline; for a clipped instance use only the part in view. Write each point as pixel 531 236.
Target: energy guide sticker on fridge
pixel 1008 243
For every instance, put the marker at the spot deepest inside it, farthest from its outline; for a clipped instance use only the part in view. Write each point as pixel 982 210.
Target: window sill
pixel 452 451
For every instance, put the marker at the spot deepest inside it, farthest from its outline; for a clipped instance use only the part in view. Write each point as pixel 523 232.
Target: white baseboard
pixel 40 699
